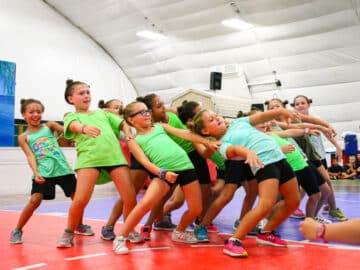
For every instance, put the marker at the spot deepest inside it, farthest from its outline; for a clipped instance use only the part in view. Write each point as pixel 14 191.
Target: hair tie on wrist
pixel 82 130
pixel 162 174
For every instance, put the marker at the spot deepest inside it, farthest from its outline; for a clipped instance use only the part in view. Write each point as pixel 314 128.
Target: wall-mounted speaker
pixel 257 106
pixel 215 80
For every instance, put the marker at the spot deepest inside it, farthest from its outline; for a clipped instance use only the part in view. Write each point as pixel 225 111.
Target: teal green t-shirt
pixel 163 151
pixel 104 150
pixel 50 160
pixel 174 121
pixel 294 158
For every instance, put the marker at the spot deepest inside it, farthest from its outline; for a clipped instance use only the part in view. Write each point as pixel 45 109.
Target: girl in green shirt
pixel 95 133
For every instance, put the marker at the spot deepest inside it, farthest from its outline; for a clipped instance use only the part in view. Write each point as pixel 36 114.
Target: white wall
pixel 48 50
pixel 16 173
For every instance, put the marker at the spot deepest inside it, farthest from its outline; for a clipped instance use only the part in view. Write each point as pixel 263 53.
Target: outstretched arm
pixel 347 232
pixel 263 117
pixel 190 136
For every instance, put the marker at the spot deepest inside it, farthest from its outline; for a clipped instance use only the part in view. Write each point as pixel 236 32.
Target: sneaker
pixel 322 220
pixel 183 237
pixel 337 214
pixel 233 248
pixel 201 233
pixel 236 224
pixel 298 213
pixel 165 224
pixel 119 245
pixel 212 228
pixel 66 240
pixel 270 239
pixel 135 238
pixel 107 233
pixel 84 229
pixel 326 209
pixel 16 237
pixel 145 232
pixel 256 229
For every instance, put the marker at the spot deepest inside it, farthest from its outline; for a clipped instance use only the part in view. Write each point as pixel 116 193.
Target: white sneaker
pixel 183 237
pixel 135 238
pixel 322 220
pixel 119 245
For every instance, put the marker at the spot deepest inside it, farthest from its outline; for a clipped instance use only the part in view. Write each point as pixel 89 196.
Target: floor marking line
pixel 31 266
pixel 85 256
pixel 344 247
pixel 149 249
pixel 295 246
pixel 207 245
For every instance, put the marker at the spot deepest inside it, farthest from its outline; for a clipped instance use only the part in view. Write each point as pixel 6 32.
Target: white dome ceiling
pixel 313 45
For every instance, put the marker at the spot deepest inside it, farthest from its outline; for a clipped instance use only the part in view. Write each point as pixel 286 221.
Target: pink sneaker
pixel 298 213
pixel 234 248
pixel 270 239
pixel 212 228
pixel 145 232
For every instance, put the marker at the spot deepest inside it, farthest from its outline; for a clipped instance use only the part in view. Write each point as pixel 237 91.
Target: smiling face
pixel 80 97
pixel 33 114
pixel 301 105
pixel 138 115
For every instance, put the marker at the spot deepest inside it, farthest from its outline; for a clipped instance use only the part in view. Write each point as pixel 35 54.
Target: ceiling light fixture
pixel 237 24
pixel 150 35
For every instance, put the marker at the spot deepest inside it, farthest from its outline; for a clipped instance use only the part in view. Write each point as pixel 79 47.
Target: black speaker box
pixel 257 106
pixel 215 80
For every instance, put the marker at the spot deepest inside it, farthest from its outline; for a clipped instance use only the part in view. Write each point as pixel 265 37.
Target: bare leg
pixel 192 194
pixel 29 209
pixel 138 178
pixel 155 192
pixel 283 209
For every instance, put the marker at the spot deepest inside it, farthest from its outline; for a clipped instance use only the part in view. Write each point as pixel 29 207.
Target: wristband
pixel 162 174
pixel 82 129
pixel 320 233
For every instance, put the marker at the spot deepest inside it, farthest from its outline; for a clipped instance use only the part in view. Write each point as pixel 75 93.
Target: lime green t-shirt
pixel 218 160
pixel 294 158
pixel 163 151
pixel 174 121
pixel 104 150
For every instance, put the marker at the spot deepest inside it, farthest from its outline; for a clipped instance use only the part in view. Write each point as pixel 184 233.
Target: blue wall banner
pixel 7 103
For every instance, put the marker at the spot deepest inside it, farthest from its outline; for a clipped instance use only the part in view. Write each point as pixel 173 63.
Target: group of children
pixel 257 151
pixel 351 170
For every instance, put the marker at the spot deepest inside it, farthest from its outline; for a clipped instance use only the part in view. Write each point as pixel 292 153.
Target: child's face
pixel 301 105
pixel 352 159
pixel 81 97
pixel 275 105
pixel 33 114
pixel 158 109
pixel 116 105
pixel 335 162
pixel 140 116
pixel 213 124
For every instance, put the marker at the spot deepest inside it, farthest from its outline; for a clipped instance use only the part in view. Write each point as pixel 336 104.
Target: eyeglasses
pixel 142 113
